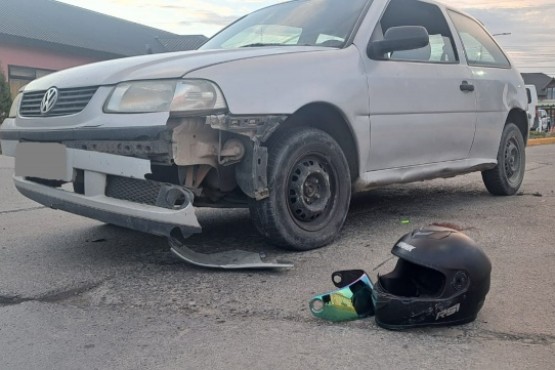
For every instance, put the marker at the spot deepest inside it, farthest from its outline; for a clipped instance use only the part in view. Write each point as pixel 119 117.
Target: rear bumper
pixel 140 217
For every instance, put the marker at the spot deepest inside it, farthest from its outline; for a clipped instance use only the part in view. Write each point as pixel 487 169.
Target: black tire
pixel 310 190
pixel 507 176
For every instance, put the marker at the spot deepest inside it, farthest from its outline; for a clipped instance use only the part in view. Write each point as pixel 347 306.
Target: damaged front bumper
pixel 145 178
pixel 114 190
pixel 140 217
pixel 148 178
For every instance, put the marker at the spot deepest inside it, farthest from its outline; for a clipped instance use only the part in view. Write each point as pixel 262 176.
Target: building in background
pixel 545 85
pixel 38 37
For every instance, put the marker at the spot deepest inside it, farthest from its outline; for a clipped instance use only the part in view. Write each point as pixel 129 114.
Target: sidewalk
pixel 543 140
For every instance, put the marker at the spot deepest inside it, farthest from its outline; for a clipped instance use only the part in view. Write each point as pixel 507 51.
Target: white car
pixel 287 111
pixel 532 105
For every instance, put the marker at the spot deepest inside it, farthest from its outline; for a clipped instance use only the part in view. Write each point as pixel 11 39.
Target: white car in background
pixel 532 94
pixel 287 112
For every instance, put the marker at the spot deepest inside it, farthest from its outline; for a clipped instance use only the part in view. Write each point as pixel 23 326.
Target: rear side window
pixel 479 46
pixel 529 93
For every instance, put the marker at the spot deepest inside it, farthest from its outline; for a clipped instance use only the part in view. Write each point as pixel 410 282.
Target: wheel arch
pixel 330 119
pixel 520 119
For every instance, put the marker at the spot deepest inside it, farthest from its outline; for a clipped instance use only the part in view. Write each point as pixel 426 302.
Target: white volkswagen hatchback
pixel 286 111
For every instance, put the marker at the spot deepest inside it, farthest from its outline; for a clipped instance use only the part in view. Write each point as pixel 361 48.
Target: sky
pixel 531 23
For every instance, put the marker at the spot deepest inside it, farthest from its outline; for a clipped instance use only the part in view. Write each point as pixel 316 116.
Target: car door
pixel 422 107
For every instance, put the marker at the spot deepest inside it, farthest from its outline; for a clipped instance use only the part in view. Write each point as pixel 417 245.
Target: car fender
pixel 283 84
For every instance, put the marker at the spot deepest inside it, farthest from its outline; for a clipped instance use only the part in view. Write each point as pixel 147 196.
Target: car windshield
pixel 306 23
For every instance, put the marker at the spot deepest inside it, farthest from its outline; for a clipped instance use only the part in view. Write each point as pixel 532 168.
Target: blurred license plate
pixel 47 161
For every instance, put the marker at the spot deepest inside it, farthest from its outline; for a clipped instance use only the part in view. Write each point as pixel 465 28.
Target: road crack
pixel 513 337
pixel 20 210
pixel 463 333
pixel 54 296
pixel 542 166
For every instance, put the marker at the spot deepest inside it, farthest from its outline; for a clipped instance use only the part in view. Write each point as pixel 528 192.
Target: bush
pixel 5 97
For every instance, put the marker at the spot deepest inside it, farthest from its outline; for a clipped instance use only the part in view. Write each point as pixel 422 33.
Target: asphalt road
pixel 78 294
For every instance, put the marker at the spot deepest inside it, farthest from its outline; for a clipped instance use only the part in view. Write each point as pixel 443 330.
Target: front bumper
pixel 84 133
pixel 140 217
pixel 96 202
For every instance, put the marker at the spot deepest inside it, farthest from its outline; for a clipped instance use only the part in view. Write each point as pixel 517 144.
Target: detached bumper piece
pixel 228 260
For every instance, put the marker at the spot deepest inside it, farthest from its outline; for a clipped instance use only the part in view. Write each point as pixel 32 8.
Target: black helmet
pixel 441 278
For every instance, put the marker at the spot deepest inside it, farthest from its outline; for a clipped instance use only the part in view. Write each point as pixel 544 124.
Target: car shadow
pixel 229 229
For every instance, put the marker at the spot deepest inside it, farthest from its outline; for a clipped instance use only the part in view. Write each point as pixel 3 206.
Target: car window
pixel 307 23
pixel 265 34
pixel 415 13
pixel 329 40
pixel 441 49
pixel 479 46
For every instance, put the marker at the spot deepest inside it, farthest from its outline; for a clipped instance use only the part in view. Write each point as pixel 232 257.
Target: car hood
pixel 155 66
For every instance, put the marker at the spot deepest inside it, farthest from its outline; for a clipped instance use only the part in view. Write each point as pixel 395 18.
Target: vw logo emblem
pixel 49 100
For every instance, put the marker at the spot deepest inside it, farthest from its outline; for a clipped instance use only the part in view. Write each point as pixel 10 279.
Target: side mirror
pixel 398 39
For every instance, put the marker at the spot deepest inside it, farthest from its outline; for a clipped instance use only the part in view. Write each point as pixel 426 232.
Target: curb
pixel 542 141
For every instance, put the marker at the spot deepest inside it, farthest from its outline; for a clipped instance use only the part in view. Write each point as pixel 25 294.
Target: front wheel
pixel 310 190
pixel 507 176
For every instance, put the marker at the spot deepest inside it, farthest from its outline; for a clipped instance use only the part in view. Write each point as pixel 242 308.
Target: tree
pixel 5 97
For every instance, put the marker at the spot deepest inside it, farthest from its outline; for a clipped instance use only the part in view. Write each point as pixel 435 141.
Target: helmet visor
pixel 352 301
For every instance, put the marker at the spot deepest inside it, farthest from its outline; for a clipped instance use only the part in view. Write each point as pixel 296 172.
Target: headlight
pixel 14 110
pixel 175 96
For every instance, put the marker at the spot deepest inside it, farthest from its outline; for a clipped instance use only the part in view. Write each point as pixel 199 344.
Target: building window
pixel 551 93
pixel 21 76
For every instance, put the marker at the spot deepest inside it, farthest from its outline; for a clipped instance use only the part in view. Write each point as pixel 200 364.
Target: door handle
pixel 465 86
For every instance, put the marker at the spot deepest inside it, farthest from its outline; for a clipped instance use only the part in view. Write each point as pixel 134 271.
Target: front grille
pixel 70 101
pixel 133 190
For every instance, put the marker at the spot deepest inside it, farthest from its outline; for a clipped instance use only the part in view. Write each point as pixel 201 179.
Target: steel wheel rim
pixel 310 192
pixel 513 160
